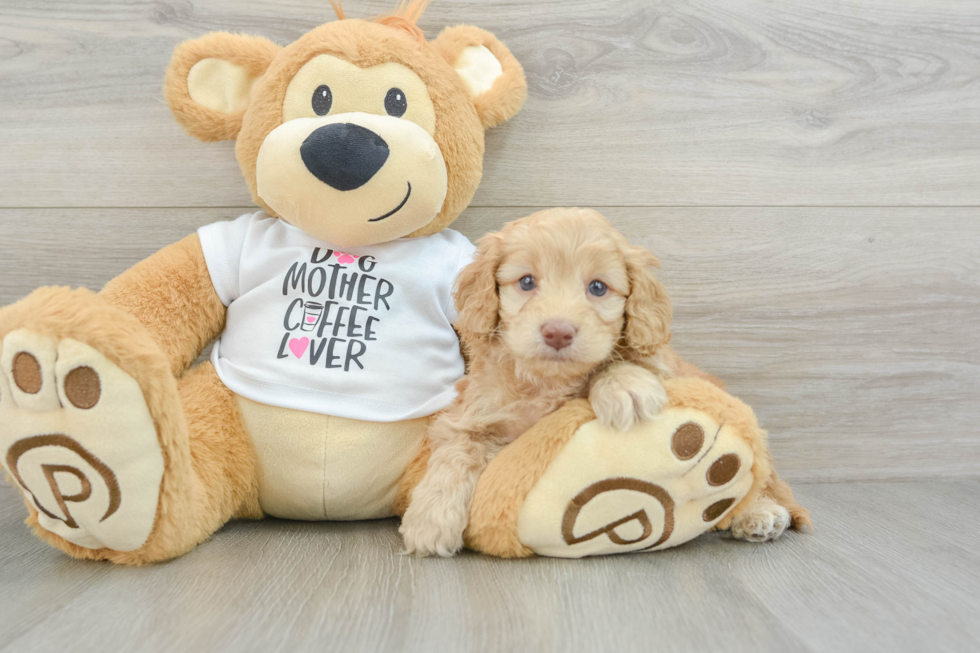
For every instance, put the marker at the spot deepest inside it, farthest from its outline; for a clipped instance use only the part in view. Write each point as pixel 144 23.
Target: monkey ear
pixel 492 76
pixel 475 292
pixel 648 309
pixel 209 82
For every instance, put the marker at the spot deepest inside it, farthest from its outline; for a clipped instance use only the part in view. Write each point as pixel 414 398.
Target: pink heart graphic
pixel 344 257
pixel 310 319
pixel 298 346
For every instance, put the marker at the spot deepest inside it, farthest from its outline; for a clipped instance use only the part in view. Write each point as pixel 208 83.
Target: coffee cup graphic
pixel 311 315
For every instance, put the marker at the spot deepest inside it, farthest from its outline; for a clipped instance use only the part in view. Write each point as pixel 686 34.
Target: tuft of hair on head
pixel 405 17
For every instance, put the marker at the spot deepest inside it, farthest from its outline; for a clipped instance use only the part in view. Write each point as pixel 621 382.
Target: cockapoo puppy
pixel 555 306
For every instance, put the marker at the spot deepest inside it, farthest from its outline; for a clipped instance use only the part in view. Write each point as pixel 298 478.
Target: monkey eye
pixel 597 288
pixel 527 282
pixel 395 103
pixel 322 100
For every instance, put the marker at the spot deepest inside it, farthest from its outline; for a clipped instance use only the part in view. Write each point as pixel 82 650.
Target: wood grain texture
pixel 850 328
pixel 852 332
pixel 632 102
pixel 891 567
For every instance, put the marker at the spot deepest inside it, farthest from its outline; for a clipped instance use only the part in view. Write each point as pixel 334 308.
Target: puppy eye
pixel 526 282
pixel 322 100
pixel 395 103
pixel 597 288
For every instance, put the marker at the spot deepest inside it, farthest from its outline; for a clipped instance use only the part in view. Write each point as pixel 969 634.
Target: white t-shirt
pixel 364 333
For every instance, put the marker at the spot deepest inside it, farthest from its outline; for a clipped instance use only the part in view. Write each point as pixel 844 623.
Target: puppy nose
pixel 558 334
pixel 343 155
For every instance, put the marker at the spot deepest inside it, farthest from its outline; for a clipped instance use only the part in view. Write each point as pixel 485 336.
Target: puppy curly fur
pixel 616 356
pixel 515 377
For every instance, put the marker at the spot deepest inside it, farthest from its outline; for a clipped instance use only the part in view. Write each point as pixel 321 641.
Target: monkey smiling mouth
pixel 397 208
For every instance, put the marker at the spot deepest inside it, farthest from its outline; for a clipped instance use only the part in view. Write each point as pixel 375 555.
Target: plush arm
pixel 172 295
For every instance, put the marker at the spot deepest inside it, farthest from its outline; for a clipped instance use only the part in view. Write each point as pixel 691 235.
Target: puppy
pixel 555 306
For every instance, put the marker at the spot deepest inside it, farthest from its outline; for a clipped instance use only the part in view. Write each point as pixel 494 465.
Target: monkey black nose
pixel 558 334
pixel 343 155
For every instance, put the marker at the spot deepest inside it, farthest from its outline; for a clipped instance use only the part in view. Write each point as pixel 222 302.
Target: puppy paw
pixel 765 521
pixel 426 535
pixel 625 395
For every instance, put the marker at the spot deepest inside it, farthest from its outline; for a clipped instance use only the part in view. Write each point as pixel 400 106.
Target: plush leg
pixel 777 509
pixel 570 487
pixel 115 458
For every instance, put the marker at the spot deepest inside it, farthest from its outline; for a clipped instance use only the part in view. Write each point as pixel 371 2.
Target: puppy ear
pixel 492 76
pixel 648 309
pixel 209 81
pixel 475 292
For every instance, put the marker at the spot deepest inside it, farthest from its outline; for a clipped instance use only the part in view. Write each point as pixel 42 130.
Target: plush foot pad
pixel 657 485
pixel 77 439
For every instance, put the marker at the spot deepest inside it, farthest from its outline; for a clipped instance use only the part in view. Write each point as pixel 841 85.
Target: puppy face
pixel 562 295
pixel 563 289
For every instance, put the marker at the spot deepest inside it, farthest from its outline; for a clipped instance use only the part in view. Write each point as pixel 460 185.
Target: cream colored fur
pixel 220 85
pixel 625 394
pixel 515 377
pixel 618 358
pixel 765 520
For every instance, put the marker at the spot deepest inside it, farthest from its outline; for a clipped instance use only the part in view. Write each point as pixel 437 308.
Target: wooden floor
pixel 892 567
pixel 809 173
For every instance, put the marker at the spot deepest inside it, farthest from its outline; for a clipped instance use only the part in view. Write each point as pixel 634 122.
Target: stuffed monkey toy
pixel 361 142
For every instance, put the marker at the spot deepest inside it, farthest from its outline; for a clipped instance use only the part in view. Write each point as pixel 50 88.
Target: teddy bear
pixel 331 316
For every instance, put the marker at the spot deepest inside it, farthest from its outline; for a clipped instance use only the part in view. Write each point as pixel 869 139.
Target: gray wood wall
pixel 809 173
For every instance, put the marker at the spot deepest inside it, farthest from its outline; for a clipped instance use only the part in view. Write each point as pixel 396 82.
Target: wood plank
pixel 686 102
pixel 870 578
pixel 272 584
pixel 852 332
pixel 873 542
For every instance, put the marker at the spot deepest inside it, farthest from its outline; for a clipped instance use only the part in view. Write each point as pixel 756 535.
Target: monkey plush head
pixel 359 132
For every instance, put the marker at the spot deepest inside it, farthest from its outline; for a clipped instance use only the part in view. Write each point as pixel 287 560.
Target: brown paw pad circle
pixel 687 440
pixel 723 470
pixel 82 387
pixel 716 509
pixel 686 443
pixel 27 373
